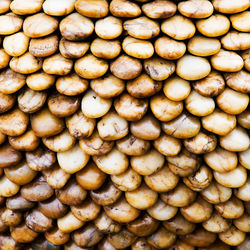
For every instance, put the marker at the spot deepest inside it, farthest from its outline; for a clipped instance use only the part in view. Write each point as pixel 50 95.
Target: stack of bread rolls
pixel 124 124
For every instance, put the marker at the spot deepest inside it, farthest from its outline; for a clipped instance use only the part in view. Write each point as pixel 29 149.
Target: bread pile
pixel 124 124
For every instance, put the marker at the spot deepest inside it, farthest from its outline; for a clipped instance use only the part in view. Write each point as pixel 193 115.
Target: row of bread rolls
pixel 76 27
pixel 208 81
pixel 165 47
pixel 110 28
pixel 124 124
pixel 92 65
pixel 124 8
